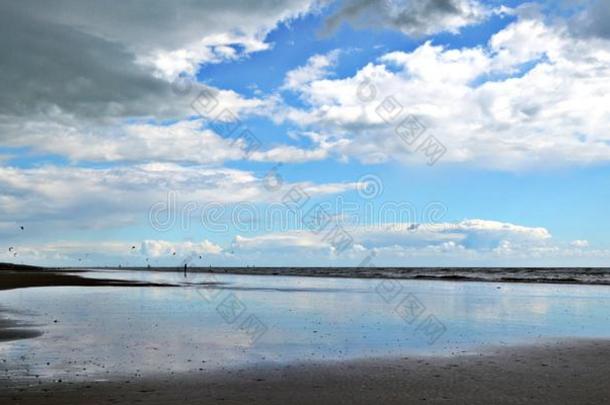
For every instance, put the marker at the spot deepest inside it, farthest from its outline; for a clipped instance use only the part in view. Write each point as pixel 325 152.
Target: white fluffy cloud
pixel 580 243
pixel 473 234
pixel 126 253
pixel 469 242
pixel 53 198
pixel 317 67
pixel 163 248
pixel 74 71
pixel 93 84
pixel 534 96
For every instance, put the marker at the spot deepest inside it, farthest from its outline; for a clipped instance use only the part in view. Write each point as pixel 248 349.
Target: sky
pixel 305 133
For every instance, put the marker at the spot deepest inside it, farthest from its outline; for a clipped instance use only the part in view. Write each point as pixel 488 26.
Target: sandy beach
pixel 558 371
pixel 564 373
pixel 16 276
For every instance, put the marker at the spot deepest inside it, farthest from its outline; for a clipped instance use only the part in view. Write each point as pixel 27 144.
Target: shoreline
pixel 21 276
pixel 527 275
pixel 567 372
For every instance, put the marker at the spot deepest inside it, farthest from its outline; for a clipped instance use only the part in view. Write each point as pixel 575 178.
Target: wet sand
pixel 570 372
pixel 13 330
pixel 565 373
pixel 18 276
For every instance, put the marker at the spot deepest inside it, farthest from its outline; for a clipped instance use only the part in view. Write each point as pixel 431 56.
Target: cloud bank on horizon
pixel 436 132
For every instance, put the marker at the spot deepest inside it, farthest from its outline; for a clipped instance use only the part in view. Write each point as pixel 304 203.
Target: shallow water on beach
pixel 225 321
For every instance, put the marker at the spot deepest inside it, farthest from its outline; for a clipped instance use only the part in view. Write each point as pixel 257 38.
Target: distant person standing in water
pixel 185 270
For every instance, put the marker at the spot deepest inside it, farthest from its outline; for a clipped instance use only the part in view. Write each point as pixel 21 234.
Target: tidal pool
pixel 96 332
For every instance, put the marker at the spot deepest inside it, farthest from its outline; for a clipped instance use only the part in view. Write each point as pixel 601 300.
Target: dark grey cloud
pixel 67 65
pixel 161 24
pixel 595 20
pixel 46 68
pixel 413 17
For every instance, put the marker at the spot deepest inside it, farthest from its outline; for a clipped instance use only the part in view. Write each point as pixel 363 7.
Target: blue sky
pixel 107 159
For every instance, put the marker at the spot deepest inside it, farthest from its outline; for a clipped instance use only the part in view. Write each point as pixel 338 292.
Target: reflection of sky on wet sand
pixel 105 330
